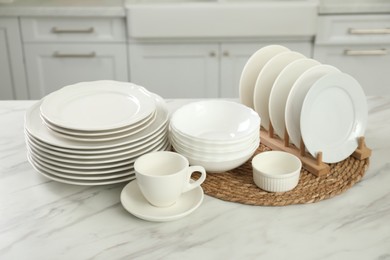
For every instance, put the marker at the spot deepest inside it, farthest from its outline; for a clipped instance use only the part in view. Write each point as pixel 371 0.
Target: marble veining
pixel 43 219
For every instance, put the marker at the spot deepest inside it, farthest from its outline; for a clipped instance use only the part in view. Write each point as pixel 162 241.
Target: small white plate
pixel 252 69
pixel 281 89
pixel 333 117
pixel 297 95
pixel 135 203
pixel 97 105
pixel 265 81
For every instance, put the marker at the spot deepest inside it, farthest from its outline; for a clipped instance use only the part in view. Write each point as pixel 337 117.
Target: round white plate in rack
pixel 252 69
pixel 333 117
pixel 266 80
pixel 97 106
pixel 281 89
pixel 136 204
pixel 297 95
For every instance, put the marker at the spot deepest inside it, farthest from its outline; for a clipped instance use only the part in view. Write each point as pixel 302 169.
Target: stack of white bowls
pixel 216 134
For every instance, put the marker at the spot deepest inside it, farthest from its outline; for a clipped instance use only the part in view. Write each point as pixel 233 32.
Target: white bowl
pixel 215 120
pixel 276 171
pixel 214 156
pixel 220 166
pixel 198 146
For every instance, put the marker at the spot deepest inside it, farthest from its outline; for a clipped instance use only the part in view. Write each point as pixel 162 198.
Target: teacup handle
pixel 199 181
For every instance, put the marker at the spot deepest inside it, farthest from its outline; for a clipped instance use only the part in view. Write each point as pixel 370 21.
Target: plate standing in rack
pixel 281 89
pixel 136 204
pixel 252 69
pixel 297 95
pixel 333 117
pixel 265 81
pixel 98 105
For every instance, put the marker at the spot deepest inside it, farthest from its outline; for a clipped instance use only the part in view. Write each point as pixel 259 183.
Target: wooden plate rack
pixel 314 165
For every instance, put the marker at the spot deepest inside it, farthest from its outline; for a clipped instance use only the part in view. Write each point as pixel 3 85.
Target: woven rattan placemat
pixel 237 185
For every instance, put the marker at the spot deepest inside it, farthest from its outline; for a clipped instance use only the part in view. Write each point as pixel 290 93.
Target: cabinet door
pixel 368 64
pixel 235 55
pixel 52 66
pixel 12 73
pixel 176 70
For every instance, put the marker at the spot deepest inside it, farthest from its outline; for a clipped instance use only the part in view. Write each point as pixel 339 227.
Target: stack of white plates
pixel 313 102
pixel 91 133
pixel 218 135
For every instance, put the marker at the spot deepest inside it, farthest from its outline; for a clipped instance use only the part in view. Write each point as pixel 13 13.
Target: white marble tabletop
pixel 42 219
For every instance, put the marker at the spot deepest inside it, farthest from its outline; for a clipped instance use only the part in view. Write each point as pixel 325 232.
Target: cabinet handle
pixel 59 31
pixel 226 54
pixel 57 54
pixel 369 31
pixel 365 52
pixel 212 54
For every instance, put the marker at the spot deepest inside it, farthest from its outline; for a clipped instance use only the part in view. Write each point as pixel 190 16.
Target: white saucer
pixel 135 203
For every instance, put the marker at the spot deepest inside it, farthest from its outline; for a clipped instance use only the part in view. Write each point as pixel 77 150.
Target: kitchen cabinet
pixel 12 73
pixel 358 45
pixel 63 51
pixel 198 69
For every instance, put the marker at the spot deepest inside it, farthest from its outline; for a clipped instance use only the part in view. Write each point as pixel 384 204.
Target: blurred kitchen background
pixel 183 48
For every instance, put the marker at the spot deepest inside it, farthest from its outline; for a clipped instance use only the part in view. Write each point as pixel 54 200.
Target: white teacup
pixel 164 176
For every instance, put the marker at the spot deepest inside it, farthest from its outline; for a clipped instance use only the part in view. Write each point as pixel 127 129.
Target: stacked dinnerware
pixel 216 134
pixel 90 133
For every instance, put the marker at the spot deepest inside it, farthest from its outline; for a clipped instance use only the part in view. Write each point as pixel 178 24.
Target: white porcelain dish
pixel 221 165
pixel 297 95
pixel 82 160
pixel 97 177
pixel 265 81
pixel 212 155
pixel 333 117
pixel 82 182
pixel 252 69
pixel 194 145
pixel 136 204
pixel 103 138
pixel 276 171
pixel 92 164
pixel 97 105
pixel 280 90
pixel 120 132
pixel 75 155
pixel 208 120
pixel 36 128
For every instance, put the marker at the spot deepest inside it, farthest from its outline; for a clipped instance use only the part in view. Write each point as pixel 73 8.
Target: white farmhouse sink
pixel 220 18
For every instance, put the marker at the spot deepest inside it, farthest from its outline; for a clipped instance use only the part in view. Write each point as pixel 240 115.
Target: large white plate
pixel 265 81
pixel 252 69
pixel 36 128
pixel 94 134
pixel 93 164
pixel 281 89
pixel 97 105
pixel 96 177
pixel 73 155
pixel 102 138
pixel 136 204
pixel 297 95
pixel 81 182
pixel 333 117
